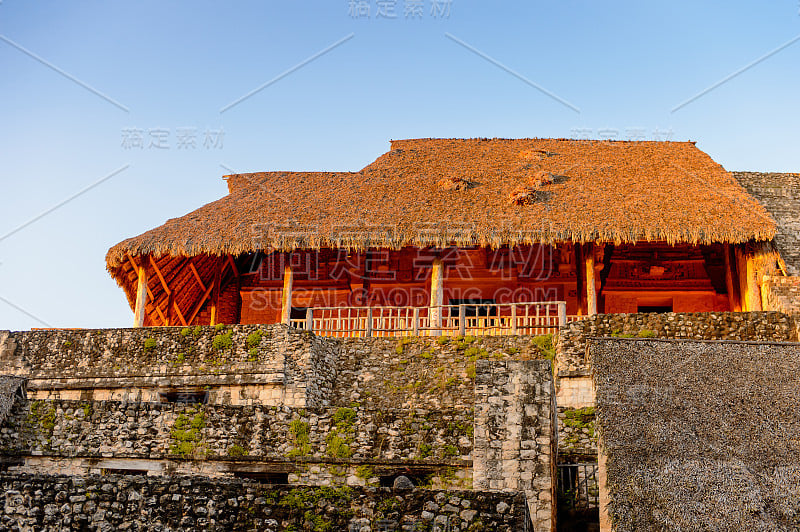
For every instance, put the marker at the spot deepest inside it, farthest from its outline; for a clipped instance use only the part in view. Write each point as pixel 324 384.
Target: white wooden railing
pixel 468 319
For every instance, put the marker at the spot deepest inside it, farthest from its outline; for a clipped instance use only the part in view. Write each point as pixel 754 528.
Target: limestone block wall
pixel 113 502
pixel 233 364
pixel 515 434
pixel 779 193
pixel 744 326
pixel 577 437
pixel 204 432
pixel 419 372
pixel 782 294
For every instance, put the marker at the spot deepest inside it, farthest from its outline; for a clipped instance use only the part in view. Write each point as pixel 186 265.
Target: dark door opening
pixel 660 309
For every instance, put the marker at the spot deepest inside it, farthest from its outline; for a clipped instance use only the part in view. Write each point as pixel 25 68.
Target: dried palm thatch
pixel 616 192
pixel 523 196
pixel 699 435
pixel 456 183
pixel 541 178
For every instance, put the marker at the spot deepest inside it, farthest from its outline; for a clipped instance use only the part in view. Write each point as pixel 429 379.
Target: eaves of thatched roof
pixel 493 192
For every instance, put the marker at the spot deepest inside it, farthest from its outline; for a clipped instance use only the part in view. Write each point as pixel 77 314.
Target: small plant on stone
pixel 338 446
pixel 222 341
pixel 544 344
pixel 237 451
pixel 424 450
pixel 67 343
pixel 645 333
pixel 150 344
pixel 471 371
pixel 219 327
pixel 186 331
pixel 253 355
pixel 443 340
pixel 254 339
pixel 197 330
pixel 186 434
pixel 451 450
pixel 299 431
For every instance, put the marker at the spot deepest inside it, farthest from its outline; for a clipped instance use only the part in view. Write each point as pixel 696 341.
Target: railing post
pixel 513 318
pixel 415 325
pixel 562 313
pixel 369 322
pixel 310 319
pixel 462 320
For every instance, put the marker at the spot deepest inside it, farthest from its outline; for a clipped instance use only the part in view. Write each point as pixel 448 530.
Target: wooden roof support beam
pixel 286 294
pixel 437 295
pixel 197 276
pixel 160 276
pixel 141 296
pixel 733 299
pixel 217 288
pixel 591 286
pixel 180 314
pixel 233 265
pixel 199 304
pixel 753 285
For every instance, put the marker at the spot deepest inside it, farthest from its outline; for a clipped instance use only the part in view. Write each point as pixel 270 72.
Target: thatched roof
pixel 11 388
pixel 488 192
pixel 780 195
pixel 699 435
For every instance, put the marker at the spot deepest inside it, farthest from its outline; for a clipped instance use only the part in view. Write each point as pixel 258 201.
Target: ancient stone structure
pixel 697 435
pixel 283 407
pixel 114 502
pixel 573 367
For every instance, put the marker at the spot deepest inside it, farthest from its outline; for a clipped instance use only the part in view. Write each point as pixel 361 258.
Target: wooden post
pixel 141 297
pixel 310 319
pixel 733 300
pixel 579 277
pixel 591 288
pixel 216 291
pixel 286 295
pixel 369 322
pixel 437 294
pixel 415 325
pixel 562 313
pixel 753 286
pixel 513 318
pixel 462 320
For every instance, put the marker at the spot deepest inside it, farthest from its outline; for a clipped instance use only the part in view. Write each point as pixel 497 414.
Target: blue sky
pixel 165 70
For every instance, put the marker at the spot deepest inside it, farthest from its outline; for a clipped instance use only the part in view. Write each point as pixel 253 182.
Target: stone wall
pixel 112 502
pixel 284 402
pixel 420 372
pixel 783 294
pixel 780 195
pixel 515 434
pixel 239 364
pixel 163 430
pixel 745 326
pixel 577 438
pixel 698 435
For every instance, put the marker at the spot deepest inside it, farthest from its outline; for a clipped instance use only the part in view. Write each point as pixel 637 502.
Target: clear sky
pixel 142 92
